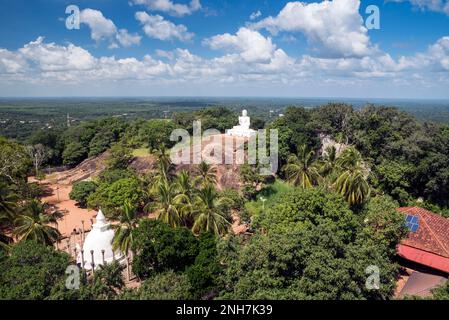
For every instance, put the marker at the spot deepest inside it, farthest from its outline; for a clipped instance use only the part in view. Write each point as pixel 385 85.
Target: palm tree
pixel 210 211
pixel 329 161
pixel 8 206
pixel 328 167
pixel 123 235
pixel 34 223
pixel 207 174
pixel 172 206
pixel 164 169
pixel 184 184
pixel 301 170
pixel 353 186
pixel 8 211
pixel 164 164
pixel 350 159
pixel 352 182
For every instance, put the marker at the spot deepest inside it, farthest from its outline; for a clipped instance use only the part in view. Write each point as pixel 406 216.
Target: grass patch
pixel 270 193
pixel 141 152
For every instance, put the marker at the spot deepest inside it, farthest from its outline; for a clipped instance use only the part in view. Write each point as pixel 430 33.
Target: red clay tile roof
pixel 433 232
pixel 424 258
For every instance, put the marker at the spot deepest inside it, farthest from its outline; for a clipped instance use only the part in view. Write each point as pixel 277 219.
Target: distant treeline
pixel 20 118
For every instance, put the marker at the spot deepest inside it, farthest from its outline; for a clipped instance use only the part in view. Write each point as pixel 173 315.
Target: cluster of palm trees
pixel 346 174
pixel 31 220
pixel 179 200
pixel 182 200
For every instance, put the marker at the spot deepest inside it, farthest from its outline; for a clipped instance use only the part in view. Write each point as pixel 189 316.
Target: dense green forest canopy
pixel 328 216
pixel 314 247
pixel 19 118
pixel 407 159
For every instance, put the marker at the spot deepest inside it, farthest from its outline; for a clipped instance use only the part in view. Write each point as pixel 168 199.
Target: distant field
pixel 20 117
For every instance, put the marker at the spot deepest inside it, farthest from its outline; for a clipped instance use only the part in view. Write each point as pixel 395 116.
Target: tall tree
pixel 8 205
pixel 38 154
pixel 184 184
pixel 8 211
pixel 301 169
pixel 314 247
pixel 123 230
pixel 352 182
pixel 120 156
pixel 210 211
pixel 158 247
pixel 329 161
pixel 14 161
pixel 31 271
pixel 206 174
pixel 105 284
pixel 353 186
pixel 350 159
pixel 172 207
pixel 165 170
pixel 34 224
pixel 81 191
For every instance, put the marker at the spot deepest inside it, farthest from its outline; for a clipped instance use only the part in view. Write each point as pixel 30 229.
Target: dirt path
pixel 58 196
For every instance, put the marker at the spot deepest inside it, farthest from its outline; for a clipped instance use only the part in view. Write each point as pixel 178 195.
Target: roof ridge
pixel 435 235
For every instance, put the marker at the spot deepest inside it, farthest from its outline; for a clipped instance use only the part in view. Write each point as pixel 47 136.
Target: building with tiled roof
pixel 428 240
pixel 425 251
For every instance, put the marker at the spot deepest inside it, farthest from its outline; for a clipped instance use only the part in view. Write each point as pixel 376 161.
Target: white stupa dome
pixel 98 239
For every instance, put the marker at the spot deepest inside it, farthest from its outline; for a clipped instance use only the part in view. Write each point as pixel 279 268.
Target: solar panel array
pixel 412 222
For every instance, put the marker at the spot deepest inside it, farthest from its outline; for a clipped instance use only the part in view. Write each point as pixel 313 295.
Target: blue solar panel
pixel 412 223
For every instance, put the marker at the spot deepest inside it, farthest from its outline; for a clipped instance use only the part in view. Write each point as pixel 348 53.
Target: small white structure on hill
pixel 242 130
pixel 97 248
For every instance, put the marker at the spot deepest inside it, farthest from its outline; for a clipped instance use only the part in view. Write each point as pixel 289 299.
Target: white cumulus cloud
pixel 250 60
pixel 127 39
pixel 155 26
pixel 169 7
pixel 53 57
pixel 11 62
pixel 102 28
pixel 250 44
pixel 332 28
pixel 436 58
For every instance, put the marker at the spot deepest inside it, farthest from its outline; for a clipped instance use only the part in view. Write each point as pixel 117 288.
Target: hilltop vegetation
pixel 313 229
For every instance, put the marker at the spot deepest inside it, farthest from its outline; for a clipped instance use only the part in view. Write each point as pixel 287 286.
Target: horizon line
pixel 222 97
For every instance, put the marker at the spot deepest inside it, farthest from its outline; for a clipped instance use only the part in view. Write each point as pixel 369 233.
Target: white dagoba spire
pixel 99 240
pixel 100 219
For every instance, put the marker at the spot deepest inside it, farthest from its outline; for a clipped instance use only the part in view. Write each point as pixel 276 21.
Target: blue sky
pixel 225 48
